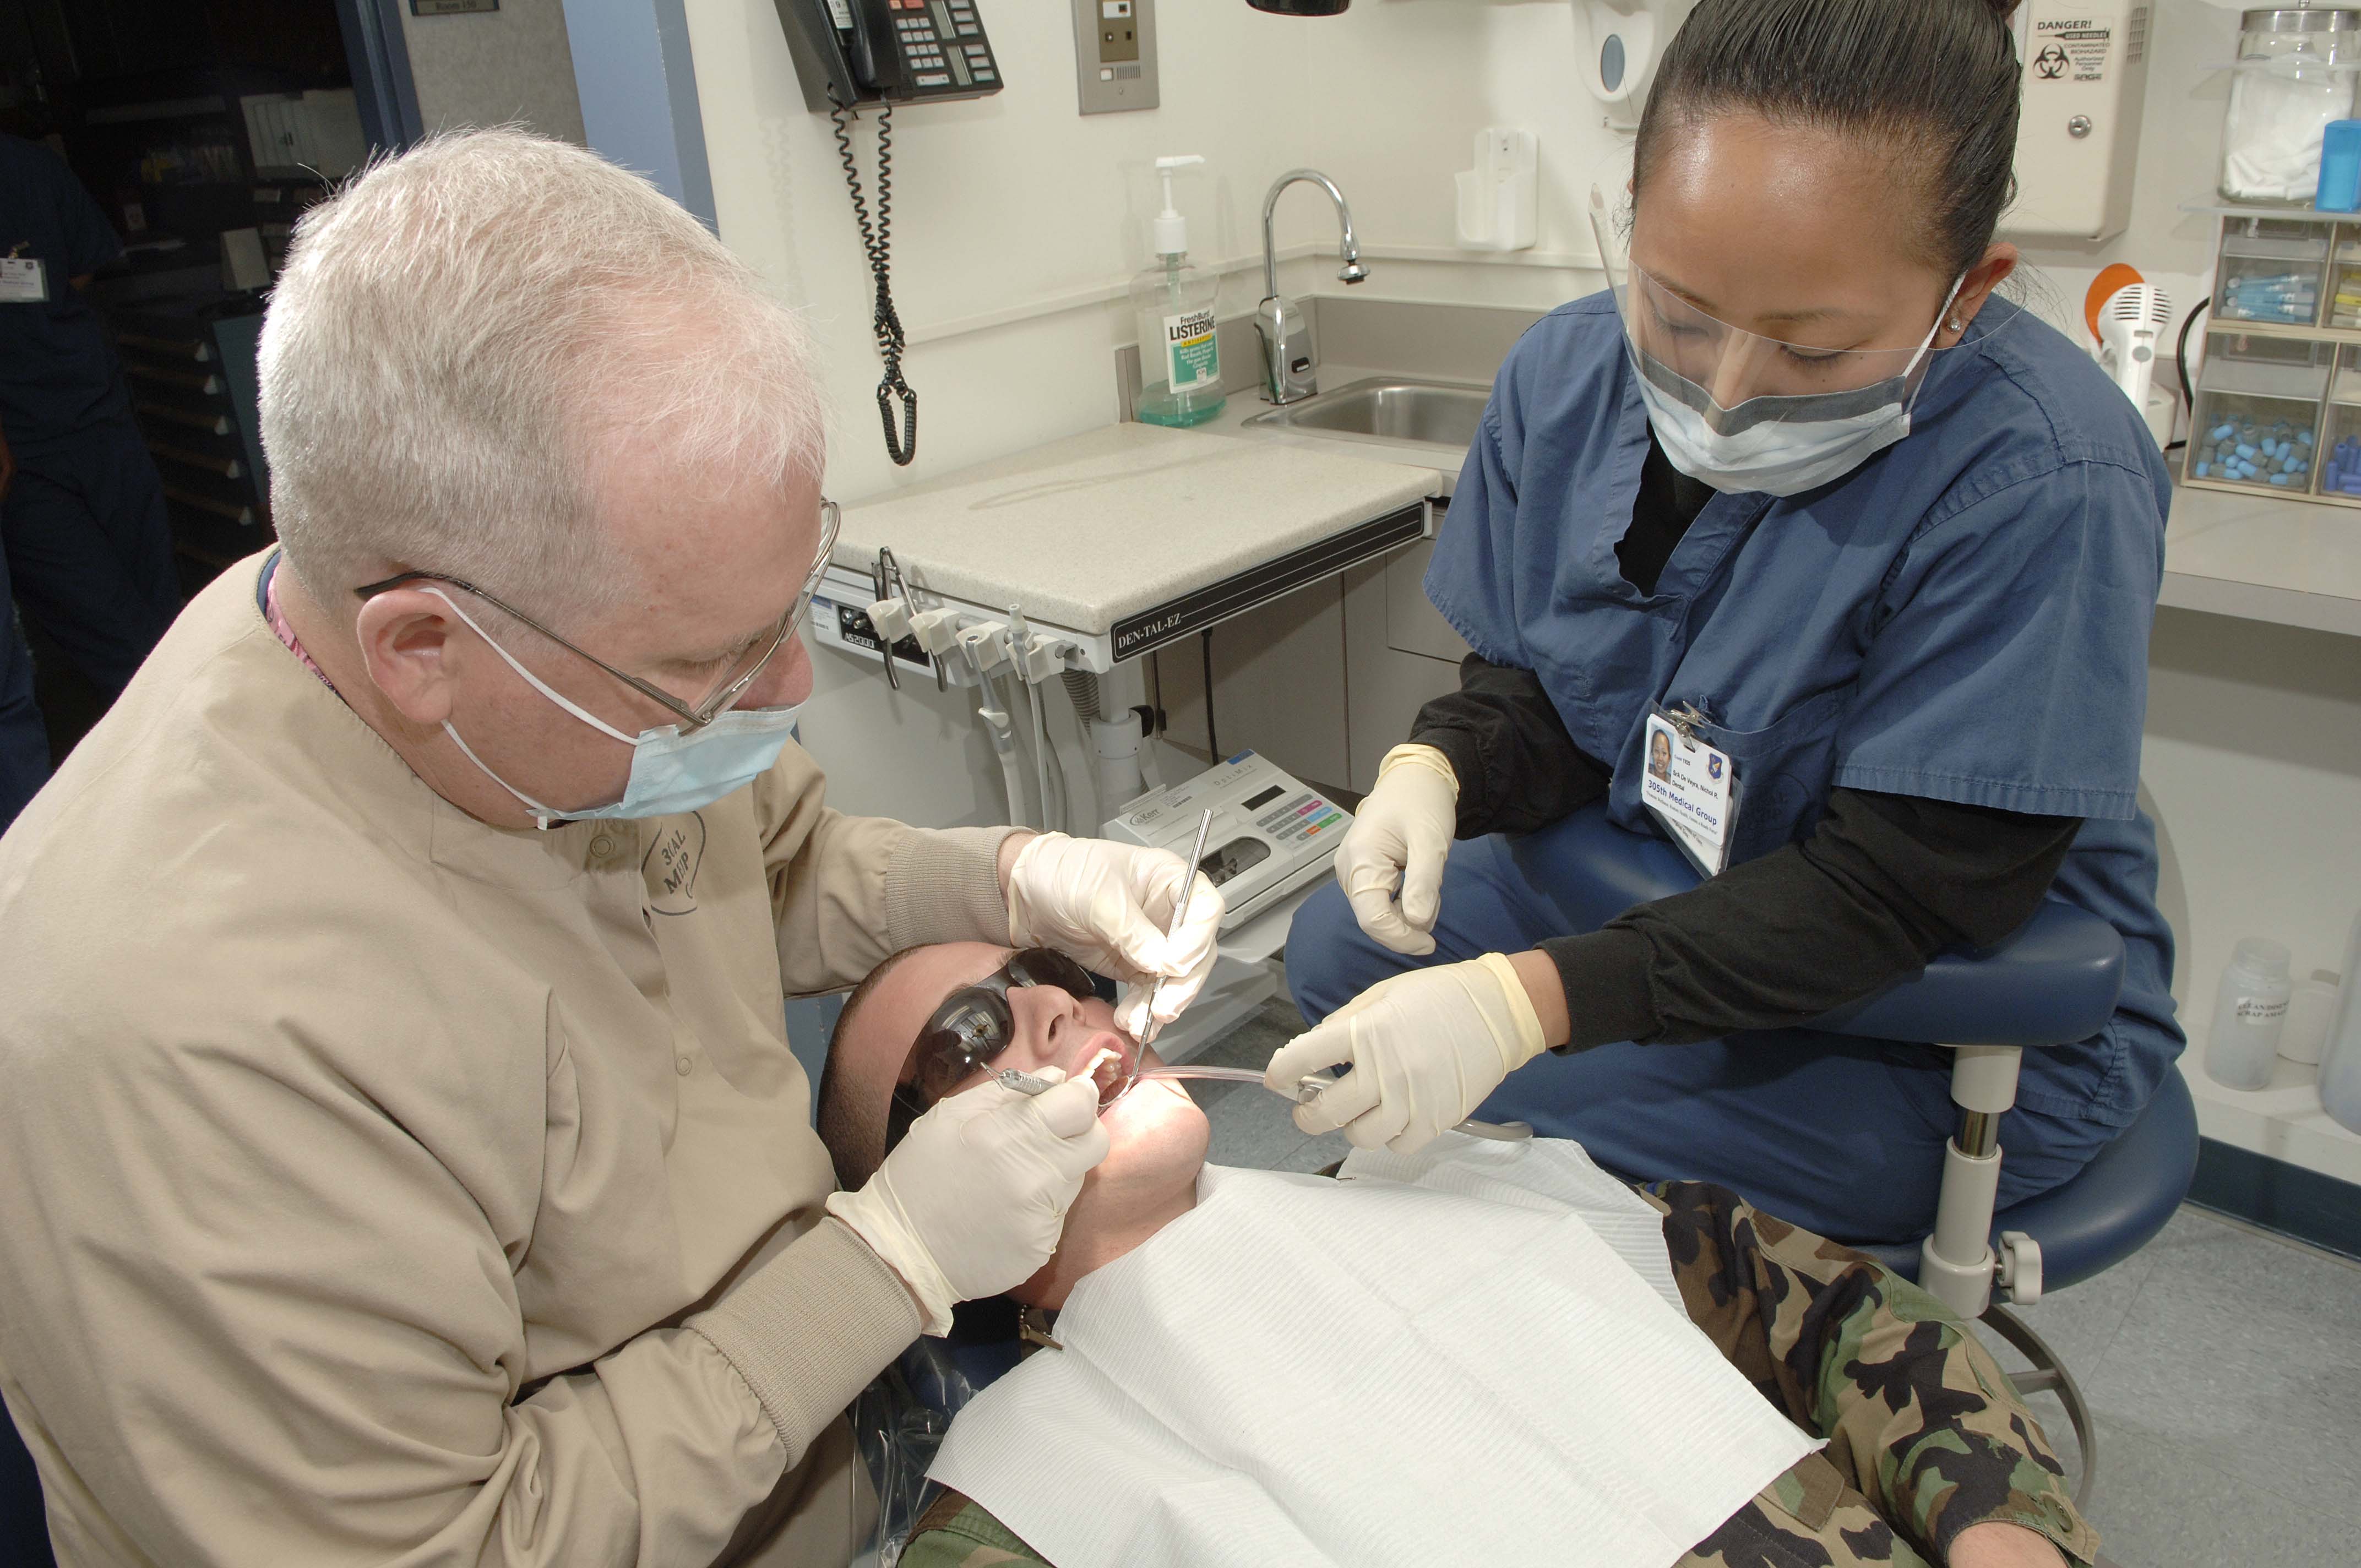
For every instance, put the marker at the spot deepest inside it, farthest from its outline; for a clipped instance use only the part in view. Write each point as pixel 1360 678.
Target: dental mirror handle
pixel 1152 1028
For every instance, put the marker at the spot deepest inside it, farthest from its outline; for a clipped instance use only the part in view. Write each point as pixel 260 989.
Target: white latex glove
pixel 1399 838
pixel 1426 1048
pixel 972 1199
pixel 1107 904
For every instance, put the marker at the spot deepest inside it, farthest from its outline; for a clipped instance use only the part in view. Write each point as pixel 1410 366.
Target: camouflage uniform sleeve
pixel 1917 1414
pixel 956 1532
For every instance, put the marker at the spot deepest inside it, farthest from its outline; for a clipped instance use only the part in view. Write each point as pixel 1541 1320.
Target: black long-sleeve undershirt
pixel 1883 883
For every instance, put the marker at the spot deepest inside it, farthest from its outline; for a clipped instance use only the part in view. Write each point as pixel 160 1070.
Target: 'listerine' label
pixel 1192 361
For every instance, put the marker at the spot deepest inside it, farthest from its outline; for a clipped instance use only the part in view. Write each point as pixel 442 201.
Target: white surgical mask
pixel 671 770
pixel 1778 446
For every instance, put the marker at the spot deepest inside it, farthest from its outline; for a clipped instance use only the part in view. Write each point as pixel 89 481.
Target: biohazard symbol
pixel 2050 63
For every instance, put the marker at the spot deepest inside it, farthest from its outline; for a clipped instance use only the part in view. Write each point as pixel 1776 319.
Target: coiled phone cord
pixel 885 324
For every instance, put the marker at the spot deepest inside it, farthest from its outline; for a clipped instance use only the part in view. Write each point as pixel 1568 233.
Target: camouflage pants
pixel 1806 1518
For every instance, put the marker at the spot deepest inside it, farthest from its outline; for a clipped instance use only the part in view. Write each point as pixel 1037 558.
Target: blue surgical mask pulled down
pixel 1780 447
pixel 672 772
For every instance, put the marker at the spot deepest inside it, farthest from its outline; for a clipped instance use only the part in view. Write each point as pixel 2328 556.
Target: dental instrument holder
pixel 1289 370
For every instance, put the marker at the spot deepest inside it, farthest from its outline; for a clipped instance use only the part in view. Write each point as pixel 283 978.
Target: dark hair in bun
pixel 1937 80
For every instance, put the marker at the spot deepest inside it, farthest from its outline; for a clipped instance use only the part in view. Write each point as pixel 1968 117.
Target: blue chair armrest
pixel 2055 980
pixel 2052 981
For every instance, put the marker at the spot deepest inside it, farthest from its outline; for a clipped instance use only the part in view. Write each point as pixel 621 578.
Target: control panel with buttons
pixel 1271 835
pixel 1115 55
pixel 944 44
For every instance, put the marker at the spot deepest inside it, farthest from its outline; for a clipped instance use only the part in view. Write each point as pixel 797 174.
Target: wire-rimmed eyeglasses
pixel 733 682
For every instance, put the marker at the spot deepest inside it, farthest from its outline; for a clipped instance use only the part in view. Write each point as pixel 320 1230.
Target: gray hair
pixel 461 332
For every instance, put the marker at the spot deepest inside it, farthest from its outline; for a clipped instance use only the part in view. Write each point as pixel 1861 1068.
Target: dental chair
pixel 2052 982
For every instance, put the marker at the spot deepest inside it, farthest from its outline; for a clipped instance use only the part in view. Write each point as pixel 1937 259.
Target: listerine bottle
pixel 1176 307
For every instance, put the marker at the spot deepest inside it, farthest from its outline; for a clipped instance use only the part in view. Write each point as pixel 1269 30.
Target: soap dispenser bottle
pixel 1176 308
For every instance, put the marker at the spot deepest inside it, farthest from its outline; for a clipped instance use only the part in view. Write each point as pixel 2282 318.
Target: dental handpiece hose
pixel 1180 914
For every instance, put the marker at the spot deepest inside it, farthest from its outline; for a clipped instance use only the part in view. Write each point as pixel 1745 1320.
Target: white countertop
pixel 2268 558
pixel 2291 563
pixel 2283 1119
pixel 1107 524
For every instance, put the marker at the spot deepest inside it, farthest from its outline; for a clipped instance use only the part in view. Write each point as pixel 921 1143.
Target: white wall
pixel 2180 158
pixel 495 67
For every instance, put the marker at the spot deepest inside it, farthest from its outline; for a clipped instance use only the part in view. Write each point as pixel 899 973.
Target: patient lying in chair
pixel 1929 1457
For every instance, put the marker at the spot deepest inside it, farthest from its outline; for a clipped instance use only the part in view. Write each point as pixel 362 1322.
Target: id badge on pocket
pixel 1691 788
pixel 23 280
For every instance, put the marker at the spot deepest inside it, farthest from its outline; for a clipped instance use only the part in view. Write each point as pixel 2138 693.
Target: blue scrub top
pixel 57 373
pixel 1965 618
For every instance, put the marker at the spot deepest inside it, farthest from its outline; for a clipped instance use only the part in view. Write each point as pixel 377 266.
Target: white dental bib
pixel 1476 1355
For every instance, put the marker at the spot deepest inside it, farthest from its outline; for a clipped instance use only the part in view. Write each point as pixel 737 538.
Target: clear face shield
pixel 1742 412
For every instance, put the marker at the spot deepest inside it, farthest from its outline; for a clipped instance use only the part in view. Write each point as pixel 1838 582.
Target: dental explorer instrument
pixel 1180 914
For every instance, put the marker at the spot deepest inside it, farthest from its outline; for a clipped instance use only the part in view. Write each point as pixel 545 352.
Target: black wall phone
pixel 853 52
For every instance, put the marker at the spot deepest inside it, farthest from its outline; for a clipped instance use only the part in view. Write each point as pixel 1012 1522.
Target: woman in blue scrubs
pixel 1801 498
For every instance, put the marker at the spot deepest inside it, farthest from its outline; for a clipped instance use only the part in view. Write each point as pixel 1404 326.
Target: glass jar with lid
pixel 2297 66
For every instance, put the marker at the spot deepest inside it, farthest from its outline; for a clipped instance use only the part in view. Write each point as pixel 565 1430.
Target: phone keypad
pixel 943 44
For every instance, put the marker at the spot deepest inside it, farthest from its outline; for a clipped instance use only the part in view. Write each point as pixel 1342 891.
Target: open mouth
pixel 1112 1062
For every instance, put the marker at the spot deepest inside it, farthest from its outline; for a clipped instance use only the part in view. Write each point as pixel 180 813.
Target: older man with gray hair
pixel 400 1155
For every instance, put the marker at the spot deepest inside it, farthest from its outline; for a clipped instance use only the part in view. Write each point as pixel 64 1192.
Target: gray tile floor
pixel 2222 1365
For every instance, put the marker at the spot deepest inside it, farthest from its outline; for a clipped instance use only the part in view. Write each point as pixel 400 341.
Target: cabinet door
pixel 1399 655
pixel 1279 685
pixel 1413 625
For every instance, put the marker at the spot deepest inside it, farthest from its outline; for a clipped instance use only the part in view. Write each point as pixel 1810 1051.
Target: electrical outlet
pixel 1115 55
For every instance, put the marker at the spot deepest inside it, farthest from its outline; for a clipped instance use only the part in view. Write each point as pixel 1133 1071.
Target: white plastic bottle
pixel 1178 308
pixel 2339 1064
pixel 2248 1012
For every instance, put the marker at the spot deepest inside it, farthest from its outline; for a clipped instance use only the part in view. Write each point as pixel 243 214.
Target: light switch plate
pixel 1115 55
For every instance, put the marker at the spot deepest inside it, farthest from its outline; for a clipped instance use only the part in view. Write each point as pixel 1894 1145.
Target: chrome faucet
pixel 1287 371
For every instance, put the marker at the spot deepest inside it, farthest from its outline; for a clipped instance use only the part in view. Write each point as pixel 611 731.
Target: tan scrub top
pixel 378 1186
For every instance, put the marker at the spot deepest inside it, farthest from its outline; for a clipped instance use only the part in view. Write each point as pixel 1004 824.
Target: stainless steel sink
pixel 1394 409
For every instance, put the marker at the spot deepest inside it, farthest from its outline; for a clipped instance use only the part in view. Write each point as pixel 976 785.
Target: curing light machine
pixel 1273 834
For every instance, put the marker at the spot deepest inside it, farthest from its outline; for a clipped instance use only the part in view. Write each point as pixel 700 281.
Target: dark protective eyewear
pixel 734 681
pixel 972 1026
